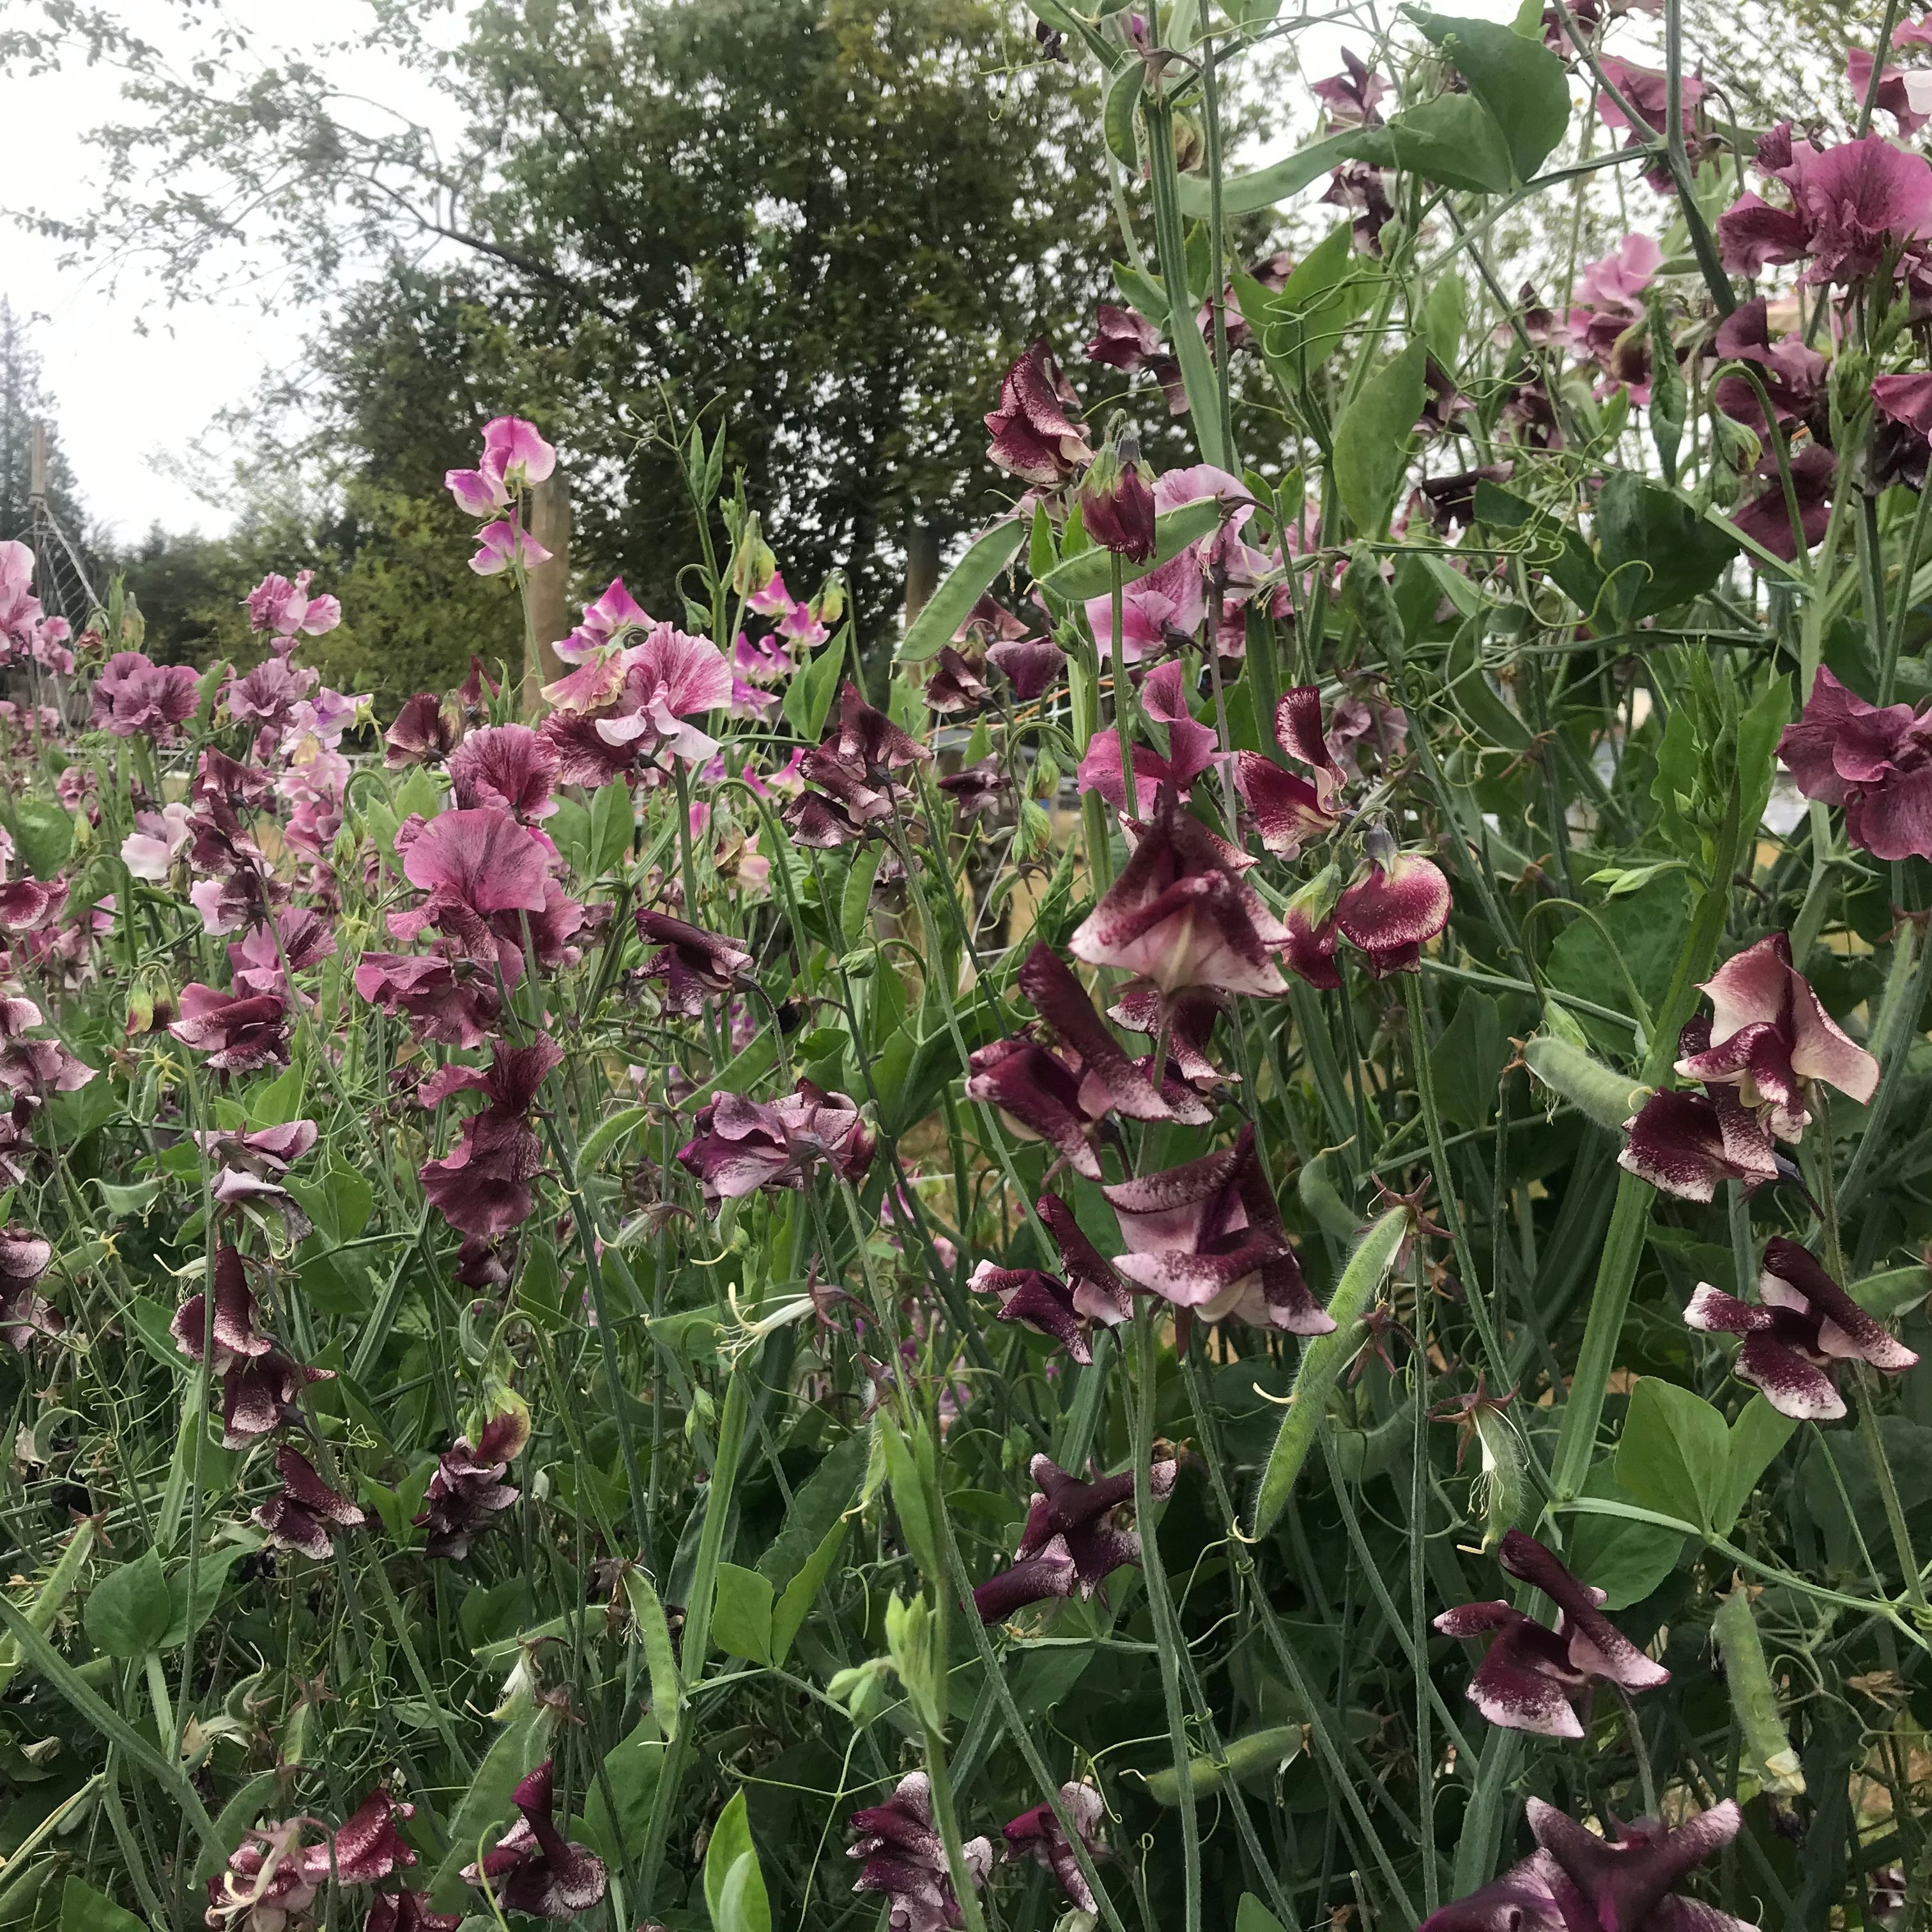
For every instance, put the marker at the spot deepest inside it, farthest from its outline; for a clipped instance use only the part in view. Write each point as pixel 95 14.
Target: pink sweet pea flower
pixel 507 768
pixel 1850 209
pixel 285 609
pixel 1168 606
pixel 609 620
pixel 1905 93
pixel 1621 276
pixel 502 544
pixel 514 450
pixel 133 695
pixel 668 679
pixel 741 1146
pixel 1191 748
pixel 158 840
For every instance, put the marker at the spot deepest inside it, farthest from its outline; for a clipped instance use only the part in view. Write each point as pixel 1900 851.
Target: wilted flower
pixel 1771 1039
pixel 534 1868
pixel 482 1185
pixel 467 1491
pixel 852 775
pixel 955 686
pixel 24 1312
pixel 1038 1834
pixel 691 963
pixel 239 1033
pixel 1876 764
pixel 1537 1679
pixel 1208 1237
pixel 1070 1541
pixel 905 1859
pixel 133 695
pixel 1576 1882
pixel 1180 914
pixel 1033 436
pixel 743 1145
pixel 1806 1325
pixel 298 1516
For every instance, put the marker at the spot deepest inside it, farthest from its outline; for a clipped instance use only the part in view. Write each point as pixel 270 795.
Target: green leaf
pixel 795 1604
pixel 1624 1559
pixel 1520 81
pixel 1090 573
pixel 1252 1915
pixel 807 701
pixel 1445 316
pixel 1243 194
pixel 1321 1360
pixel 135 1198
pixel 84 1909
pixel 963 586
pixel 274 1103
pixel 1657 550
pixel 1467 1060
pixel 612 820
pixel 818 1506
pixel 1756 1438
pixel 741 1621
pixel 1452 140
pixel 855 897
pixel 1892 1292
pixel 1674 1456
pixel 254 1801
pixel 210 1578
pixel 631 1770
pixel 909 1475
pixel 1303 324
pixel 420 794
pixel 127 1612
pixel 1372 440
pixel 43 833
pixel 1124 97
pixel 734 1887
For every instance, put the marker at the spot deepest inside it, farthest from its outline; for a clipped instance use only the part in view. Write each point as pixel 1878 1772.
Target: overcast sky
pixel 135 383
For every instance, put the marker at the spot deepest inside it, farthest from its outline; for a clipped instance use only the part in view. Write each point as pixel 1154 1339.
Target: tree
pixel 23 402
pixel 832 222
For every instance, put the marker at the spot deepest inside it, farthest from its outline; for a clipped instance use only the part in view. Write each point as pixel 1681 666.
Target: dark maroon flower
pixel 1398 902
pixel 1684 1144
pixel 1037 1300
pixel 1450 502
pixel 1070 1541
pixel 1289 811
pixel 484 873
pixel 298 1516
pixel 1037 1834
pixel 1099 1294
pixel 1189 1017
pixel 1356 185
pixel 1793 376
pixel 258 1394
pixel 1536 1679
pixel 238 1035
pixel 1033 436
pixel 133 695
pixel 534 1868
pixel 692 964
pixel 1876 764
pixel 1128 342
pixel 854 773
pixel 978 789
pixel 299 940
pixel 270 1880
pixel 505 768
pixel 447 1000
pixel 26 905
pixel 1351 95
pixel 423 734
pixel 1033 666
pixel 482 1185
pixel 1180 914
pixel 905 1859
pixel 24 1313
pixel 1576 1882
pixel 1767 517
pixel 1901 445
pixel 1208 1237
pixel 742 1145
pixel 407 1912
pixel 1117 504
pixel 955 687
pixel 467 1492
pixel 34 1067
pixel 1794 1341
pixel 1771 1039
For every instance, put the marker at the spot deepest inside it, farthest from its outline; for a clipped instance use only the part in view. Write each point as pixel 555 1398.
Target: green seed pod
pixel 1767 1744
pixel 1499 1485
pixel 1608 1097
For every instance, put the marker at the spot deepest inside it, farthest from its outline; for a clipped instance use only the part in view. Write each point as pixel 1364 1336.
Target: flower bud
pixel 753 565
pixel 1117 501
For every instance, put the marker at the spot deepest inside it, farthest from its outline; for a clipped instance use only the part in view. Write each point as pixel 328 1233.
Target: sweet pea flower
pixel 1351 96
pixel 1901 445
pixel 514 456
pixel 633 701
pixel 1033 666
pixel 1038 1300
pixel 1166 607
pixel 1034 438
pixel 608 620
pixel 905 1859
pixel 1290 812
pixel 30 905
pixel 1208 1237
pixel 286 610
pixel 239 1033
pixel 268 695
pixel 423 734
pixel 1849 209
pixel 692 964
pixel 1876 764
pixel 504 544
pixel 1070 1541
pixel 467 1492
pixel 534 1868
pixel 482 1185
pixel 259 1384
pixel 1805 1324
pixel 1767 517
pixel 300 1516
pixel 1191 748
pixel 1793 375
pixel 1576 1882
pixel 134 695
pixel 853 776
pixel 1771 1039
pixel 1536 1679
pixel 444 997
pixel 1905 93
pixel 955 686
pixel 741 1146
pixel 1038 1835
pixel 506 767
pixel 1180 915
pixel 1684 1144
pixel 485 875
pixel 1397 902
pixel 24 1312
pixel 1128 342
pixel 1117 505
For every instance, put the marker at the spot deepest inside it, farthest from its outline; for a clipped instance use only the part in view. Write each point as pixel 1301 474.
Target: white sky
pixel 135 383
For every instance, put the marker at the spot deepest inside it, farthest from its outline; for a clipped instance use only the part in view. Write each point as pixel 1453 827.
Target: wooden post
pixel 921 569
pixel 549 585
pixel 37 466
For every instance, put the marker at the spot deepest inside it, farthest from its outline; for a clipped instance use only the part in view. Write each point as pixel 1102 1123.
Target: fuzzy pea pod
pixel 1767 1744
